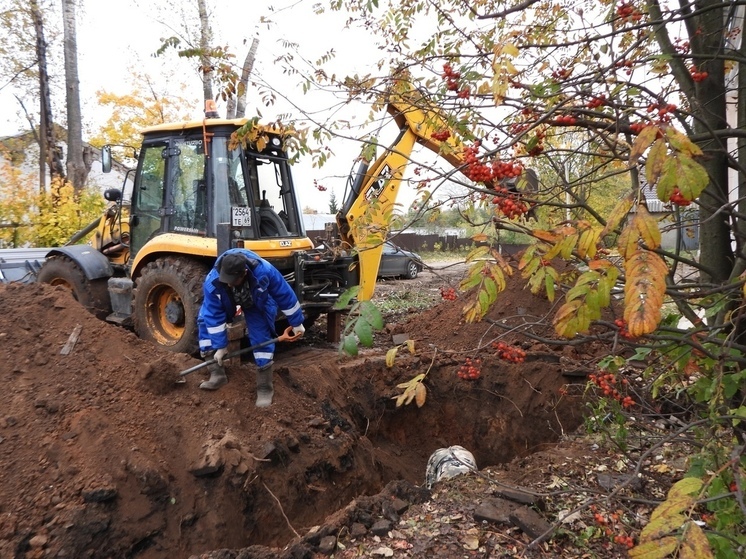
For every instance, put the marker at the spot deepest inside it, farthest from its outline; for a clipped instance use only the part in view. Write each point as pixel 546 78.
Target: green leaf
pixel 349 345
pixel 371 313
pixel 364 332
pixel 345 298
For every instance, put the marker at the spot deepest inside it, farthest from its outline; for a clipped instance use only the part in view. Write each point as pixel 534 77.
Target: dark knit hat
pixel 232 267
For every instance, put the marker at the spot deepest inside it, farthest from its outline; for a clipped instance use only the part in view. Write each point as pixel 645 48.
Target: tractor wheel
pixel 92 294
pixel 167 298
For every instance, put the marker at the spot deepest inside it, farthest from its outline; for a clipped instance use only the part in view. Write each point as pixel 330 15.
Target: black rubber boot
pixel 217 375
pixel 264 388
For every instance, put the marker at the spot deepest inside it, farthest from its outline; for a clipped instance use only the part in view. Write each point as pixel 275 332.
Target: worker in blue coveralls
pixel 241 278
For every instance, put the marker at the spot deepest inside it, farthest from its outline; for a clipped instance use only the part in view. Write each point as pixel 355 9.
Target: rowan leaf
pixel 694 544
pixel 657 549
pixel 577 291
pixel 588 242
pixel 537 280
pixel 546 236
pixel 619 212
pixel 681 142
pixel 391 356
pixel 647 226
pixel 655 161
pixel 549 287
pixel 644 291
pixel 420 395
pixel 410 346
pixel 693 177
pixel 643 140
pixel 668 180
pixel 566 320
pixel 477 253
pixel 627 243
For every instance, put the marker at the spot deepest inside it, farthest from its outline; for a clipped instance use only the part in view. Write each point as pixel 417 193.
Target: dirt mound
pixel 104 454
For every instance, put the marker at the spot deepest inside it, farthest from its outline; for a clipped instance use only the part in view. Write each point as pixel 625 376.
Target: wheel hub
pixel 174 313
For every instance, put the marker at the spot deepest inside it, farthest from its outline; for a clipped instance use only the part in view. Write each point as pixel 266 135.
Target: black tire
pixel 62 271
pixel 412 270
pixel 167 298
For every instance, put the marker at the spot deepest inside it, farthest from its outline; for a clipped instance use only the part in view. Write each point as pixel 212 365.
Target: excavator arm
pixel 369 205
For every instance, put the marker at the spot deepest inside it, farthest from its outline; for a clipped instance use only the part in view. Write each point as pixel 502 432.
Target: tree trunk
pixel 76 171
pixel 237 105
pixel 205 42
pixel 709 110
pixel 48 152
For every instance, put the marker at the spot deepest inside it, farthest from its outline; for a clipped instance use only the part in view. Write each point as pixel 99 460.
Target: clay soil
pixel 104 454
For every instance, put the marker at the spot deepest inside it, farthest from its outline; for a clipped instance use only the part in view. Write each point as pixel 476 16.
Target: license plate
pixel 240 216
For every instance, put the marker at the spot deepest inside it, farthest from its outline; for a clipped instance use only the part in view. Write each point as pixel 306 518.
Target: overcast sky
pixel 115 36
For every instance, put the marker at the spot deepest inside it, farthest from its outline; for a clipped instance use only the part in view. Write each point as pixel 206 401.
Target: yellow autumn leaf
pixel 657 549
pixel 694 544
pixel 647 226
pixel 643 140
pixel 619 212
pixel 566 320
pixel 627 241
pixel 547 236
pixel 655 161
pixel 420 395
pixel 681 142
pixel 510 49
pixel 587 242
pixel 410 346
pixel 391 356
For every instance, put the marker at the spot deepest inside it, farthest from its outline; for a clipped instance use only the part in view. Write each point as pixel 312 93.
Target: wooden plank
pixel 68 347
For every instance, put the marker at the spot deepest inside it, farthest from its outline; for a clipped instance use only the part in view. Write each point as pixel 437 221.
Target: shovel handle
pixel 286 336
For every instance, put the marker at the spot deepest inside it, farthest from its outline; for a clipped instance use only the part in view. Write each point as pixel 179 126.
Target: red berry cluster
pixel 562 73
pixel 636 127
pixel 448 293
pixel 626 64
pixel 678 198
pixel 479 171
pixel 625 540
pixel 698 76
pixel 566 120
pixel 596 102
pixel 470 369
pixel 440 135
pixel 509 352
pixel 663 110
pixel 610 524
pixel 623 331
pixel 607 383
pixel 318 186
pixel 452 77
pixel 509 203
pixel 628 13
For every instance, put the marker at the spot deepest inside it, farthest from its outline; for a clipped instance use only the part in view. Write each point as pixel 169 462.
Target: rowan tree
pixel 646 97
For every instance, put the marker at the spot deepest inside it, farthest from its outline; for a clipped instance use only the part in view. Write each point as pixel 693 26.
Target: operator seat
pixel 270 224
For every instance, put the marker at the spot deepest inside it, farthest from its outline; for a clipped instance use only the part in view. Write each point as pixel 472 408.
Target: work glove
pixel 220 355
pixel 299 330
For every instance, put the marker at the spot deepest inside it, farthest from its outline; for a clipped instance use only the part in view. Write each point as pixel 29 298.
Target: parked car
pixel 397 262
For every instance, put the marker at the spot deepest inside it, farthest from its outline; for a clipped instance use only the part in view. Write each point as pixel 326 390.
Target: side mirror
pixel 113 194
pixel 106 159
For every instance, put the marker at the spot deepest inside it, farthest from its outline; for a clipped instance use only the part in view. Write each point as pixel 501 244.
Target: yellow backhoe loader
pixel 198 191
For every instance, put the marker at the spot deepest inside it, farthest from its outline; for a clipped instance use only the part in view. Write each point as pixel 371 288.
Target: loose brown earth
pixel 104 454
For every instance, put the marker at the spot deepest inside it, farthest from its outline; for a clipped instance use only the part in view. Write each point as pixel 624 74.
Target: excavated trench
pixel 511 410
pixel 103 454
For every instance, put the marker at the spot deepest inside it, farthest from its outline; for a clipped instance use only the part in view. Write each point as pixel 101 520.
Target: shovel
pixel 286 336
